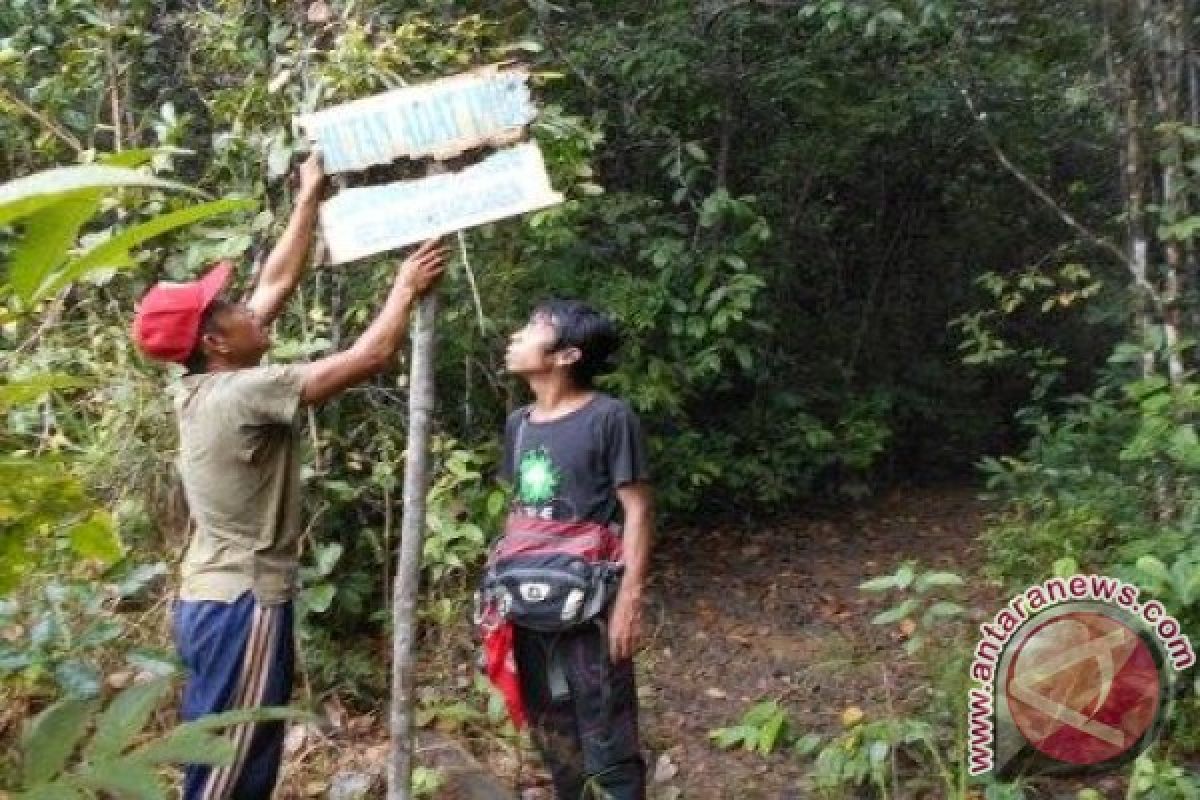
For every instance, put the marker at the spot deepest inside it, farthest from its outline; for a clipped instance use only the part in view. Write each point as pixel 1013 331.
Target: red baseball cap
pixel 167 320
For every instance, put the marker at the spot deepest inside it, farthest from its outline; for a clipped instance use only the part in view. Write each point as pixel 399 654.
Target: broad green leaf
pixel 770 733
pixel 895 614
pixel 77 678
pixel 27 390
pixel 186 746
pixel 808 744
pixel 24 196
pixel 226 719
pixel 880 584
pixel 124 719
pixel 140 578
pixel 96 537
pixel 52 737
pixel 904 576
pixel 929 580
pixel 48 234
pixel 726 738
pixel 327 557
pixel 944 608
pixel 115 253
pixel 160 664
pixel 1154 568
pixel 319 598
pixel 1184 447
pixel 123 779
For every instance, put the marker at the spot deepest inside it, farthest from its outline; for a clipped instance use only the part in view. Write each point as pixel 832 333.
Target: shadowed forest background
pixel 869 259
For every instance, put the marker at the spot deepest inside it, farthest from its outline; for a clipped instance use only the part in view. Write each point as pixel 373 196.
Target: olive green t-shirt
pixel 238 455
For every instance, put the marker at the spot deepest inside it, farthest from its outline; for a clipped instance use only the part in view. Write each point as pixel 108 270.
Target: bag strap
pixel 520 442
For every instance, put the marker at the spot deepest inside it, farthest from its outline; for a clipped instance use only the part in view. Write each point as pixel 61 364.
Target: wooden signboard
pixel 487 107
pixel 371 219
pixel 442 119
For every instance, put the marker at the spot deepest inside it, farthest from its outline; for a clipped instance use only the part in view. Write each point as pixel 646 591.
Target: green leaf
pixel 96 537
pixel 27 390
pixel 904 576
pixel 25 196
pixel 124 719
pixel 186 746
pixel 495 503
pixel 895 614
pixel 928 580
pixel 52 737
pixel 877 753
pixel 225 719
pixel 123 779
pixel 880 584
pixel 49 233
pixel 140 578
pixel 1153 568
pixel 770 733
pixel 319 598
pixel 807 744
pixel 115 253
pixel 944 608
pixel 1184 447
pixel 726 738
pixel 327 558
pixel 78 678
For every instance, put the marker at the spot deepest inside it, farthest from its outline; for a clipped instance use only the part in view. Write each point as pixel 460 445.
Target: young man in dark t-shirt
pixel 577 460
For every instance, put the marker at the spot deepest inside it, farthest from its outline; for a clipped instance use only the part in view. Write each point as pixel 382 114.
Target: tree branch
pixel 1066 216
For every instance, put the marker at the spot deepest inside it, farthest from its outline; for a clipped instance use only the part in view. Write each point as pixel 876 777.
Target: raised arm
pixel 281 272
pixel 375 349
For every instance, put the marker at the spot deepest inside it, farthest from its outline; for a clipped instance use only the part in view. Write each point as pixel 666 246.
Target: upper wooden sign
pixel 489 106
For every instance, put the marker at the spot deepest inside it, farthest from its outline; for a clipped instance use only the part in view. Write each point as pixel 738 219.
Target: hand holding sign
pixel 423 268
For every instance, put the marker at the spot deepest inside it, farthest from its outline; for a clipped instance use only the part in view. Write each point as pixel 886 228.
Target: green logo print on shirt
pixel 538 478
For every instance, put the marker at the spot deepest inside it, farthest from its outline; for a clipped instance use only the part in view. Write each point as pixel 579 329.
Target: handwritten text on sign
pixel 439 119
pixel 368 220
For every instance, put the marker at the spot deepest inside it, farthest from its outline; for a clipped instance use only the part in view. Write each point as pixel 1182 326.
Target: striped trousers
pixel 237 655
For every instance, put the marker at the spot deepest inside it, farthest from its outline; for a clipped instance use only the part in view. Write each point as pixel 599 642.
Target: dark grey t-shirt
pixel 569 469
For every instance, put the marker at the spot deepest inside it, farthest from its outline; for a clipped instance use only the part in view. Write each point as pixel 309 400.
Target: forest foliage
pixel 851 244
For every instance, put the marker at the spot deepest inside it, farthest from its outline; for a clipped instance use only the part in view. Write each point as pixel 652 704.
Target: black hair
pixel 581 326
pixel 196 363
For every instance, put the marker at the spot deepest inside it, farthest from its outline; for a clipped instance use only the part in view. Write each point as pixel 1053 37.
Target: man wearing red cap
pixel 238 457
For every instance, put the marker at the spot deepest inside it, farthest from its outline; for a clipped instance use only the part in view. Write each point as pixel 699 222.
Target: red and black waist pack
pixel 550 576
pixel 547 576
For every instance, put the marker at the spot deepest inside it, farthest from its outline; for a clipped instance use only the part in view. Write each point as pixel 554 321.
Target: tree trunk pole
pixel 408 569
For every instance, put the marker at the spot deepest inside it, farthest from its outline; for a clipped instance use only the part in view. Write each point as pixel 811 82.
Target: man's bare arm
pixel 281 272
pixel 376 348
pixel 625 624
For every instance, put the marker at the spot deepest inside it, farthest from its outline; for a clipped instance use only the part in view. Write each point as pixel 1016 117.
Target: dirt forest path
pixel 744 615
pixel 736 614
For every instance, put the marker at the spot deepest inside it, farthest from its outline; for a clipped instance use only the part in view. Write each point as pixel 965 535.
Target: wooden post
pixel 408 568
pixel 421 399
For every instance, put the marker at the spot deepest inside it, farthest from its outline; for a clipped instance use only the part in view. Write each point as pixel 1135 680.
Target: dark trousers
pixel 237 655
pixel 583 713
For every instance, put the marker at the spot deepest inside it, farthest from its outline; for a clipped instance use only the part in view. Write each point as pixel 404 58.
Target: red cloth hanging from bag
pixel 502 668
